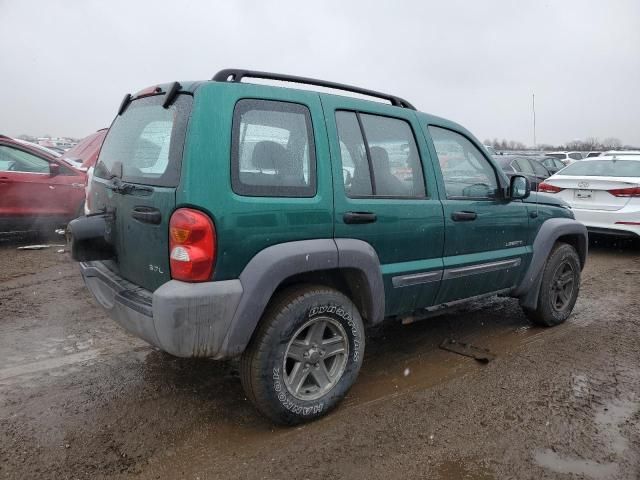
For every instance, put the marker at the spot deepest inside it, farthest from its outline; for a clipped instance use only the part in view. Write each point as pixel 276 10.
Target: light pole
pixel 533 106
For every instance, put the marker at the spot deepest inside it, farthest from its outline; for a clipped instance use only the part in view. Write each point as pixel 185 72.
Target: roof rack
pixel 236 76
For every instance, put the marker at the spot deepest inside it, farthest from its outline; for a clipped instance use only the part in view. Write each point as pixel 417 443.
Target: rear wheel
pixel 559 287
pixel 304 356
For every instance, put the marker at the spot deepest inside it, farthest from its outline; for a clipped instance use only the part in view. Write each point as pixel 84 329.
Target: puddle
pixel 561 464
pixel 609 420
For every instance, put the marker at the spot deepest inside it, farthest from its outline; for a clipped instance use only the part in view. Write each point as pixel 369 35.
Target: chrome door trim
pixel 481 268
pixel 416 278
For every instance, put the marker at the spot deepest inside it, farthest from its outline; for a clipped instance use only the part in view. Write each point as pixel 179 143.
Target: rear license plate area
pixel 583 194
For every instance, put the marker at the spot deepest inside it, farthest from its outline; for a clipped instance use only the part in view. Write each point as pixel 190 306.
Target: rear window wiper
pixel 125 188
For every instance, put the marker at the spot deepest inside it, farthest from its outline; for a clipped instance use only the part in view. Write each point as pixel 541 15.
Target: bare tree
pixel 612 143
pixel 592 143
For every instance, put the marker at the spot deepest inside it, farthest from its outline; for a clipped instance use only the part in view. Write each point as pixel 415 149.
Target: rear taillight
pixel 625 192
pixel 192 245
pixel 548 188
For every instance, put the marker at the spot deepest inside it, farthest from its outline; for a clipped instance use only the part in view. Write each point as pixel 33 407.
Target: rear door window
pixel 379 156
pixel 397 170
pixel 273 152
pixel 147 140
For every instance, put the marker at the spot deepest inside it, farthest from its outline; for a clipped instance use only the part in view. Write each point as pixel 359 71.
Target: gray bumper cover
pixel 184 319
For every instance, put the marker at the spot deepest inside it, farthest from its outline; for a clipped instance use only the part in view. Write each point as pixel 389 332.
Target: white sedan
pixel 604 193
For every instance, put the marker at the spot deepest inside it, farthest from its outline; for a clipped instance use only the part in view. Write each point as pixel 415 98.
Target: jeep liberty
pixel 235 219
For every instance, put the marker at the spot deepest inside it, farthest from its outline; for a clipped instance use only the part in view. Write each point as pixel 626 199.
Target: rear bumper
pixel 183 319
pixel 606 222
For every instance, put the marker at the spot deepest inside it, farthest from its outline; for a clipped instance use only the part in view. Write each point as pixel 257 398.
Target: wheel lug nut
pixel 317 365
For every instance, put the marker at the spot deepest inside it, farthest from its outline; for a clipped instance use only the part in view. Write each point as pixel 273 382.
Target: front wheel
pixel 305 355
pixel 559 287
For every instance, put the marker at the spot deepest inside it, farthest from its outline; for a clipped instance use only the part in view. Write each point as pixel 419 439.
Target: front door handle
pixel 463 216
pixel 4 180
pixel 359 217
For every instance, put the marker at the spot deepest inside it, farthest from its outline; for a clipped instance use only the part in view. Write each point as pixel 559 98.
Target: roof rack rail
pixel 236 76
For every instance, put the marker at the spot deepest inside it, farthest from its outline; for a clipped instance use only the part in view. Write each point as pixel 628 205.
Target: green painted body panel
pixel 408 235
pixel 143 249
pixel 247 225
pixel 500 231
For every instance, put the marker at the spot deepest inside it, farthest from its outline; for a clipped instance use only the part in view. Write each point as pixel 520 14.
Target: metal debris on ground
pixel 481 354
pixel 38 247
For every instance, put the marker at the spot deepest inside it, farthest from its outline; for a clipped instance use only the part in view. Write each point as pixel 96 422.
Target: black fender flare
pixel 548 234
pixel 271 266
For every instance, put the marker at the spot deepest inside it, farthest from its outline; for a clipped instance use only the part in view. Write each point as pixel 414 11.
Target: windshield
pixel 603 168
pixel 147 140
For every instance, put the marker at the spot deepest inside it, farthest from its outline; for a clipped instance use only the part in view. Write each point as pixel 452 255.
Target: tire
pixel 553 306
pixel 305 354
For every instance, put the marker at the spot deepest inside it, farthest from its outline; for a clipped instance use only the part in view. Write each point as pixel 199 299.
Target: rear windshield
pixel 148 140
pixel 560 156
pixel 603 168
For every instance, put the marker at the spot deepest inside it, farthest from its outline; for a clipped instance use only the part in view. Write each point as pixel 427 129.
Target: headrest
pixel 268 155
pixel 379 158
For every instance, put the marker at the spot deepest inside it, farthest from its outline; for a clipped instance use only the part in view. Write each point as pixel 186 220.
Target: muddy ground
pixel 80 398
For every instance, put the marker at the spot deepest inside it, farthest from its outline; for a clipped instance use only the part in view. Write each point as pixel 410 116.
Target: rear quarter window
pixel 272 149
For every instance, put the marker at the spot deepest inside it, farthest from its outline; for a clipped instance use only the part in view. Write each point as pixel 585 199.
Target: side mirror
pixel 519 187
pixel 54 169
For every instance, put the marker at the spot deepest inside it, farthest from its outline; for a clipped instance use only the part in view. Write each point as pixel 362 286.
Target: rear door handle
pixel 359 217
pixel 4 180
pixel 463 216
pixel 147 215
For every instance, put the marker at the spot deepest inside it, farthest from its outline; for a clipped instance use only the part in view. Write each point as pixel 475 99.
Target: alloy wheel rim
pixel 315 358
pixel 562 286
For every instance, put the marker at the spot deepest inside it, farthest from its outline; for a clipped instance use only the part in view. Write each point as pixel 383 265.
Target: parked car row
pixel 535 168
pixel 41 189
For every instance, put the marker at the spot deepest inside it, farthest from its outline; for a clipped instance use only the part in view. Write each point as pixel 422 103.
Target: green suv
pixel 237 219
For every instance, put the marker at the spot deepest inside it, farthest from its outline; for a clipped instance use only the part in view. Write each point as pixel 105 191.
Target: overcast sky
pixel 65 65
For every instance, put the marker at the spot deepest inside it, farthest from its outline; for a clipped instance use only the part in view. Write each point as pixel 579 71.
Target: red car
pixel 84 155
pixel 37 189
